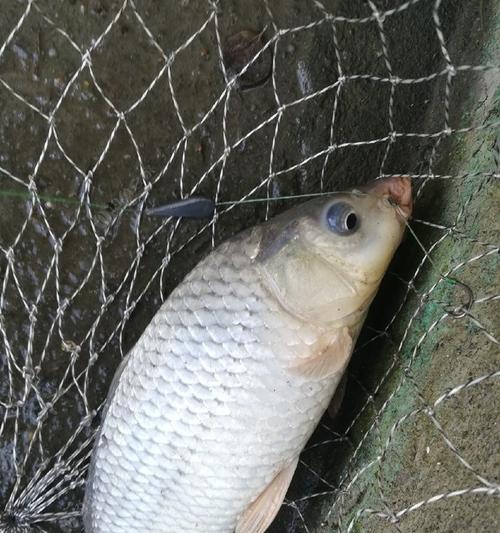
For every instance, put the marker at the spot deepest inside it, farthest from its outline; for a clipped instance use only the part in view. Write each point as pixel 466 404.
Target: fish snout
pixel 397 190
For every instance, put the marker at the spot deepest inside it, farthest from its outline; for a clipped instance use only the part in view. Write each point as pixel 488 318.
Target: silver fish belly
pixel 211 408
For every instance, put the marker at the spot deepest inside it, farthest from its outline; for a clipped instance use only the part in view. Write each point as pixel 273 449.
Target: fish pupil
pixel 350 221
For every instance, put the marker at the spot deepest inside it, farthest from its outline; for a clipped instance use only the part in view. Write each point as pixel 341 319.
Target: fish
pixel 208 413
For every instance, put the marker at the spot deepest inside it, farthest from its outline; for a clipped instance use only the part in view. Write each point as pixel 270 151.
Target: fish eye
pixel 342 219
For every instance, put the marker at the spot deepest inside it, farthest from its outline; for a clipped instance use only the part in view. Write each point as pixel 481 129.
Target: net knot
pixel 86 59
pixel 32 314
pixel 45 410
pixel 28 371
pixel 169 60
pixel 70 346
pixel 456 312
pixel 429 411
pixel 58 246
pixel 32 187
pixel 87 419
pixel 64 304
pixel 214 4
pixel 393 518
pixel 9 255
pixel 85 186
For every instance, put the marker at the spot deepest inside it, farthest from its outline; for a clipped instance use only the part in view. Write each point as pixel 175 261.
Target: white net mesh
pixel 108 107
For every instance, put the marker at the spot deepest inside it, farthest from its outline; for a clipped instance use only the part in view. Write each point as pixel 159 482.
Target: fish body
pixel 210 410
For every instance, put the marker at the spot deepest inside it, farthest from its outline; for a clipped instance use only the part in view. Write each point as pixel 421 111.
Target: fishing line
pixel 74 201
pixel 274 198
pixel 49 199
pixel 455 312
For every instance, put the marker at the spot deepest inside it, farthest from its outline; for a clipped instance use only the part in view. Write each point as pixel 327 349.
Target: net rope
pixel 43 478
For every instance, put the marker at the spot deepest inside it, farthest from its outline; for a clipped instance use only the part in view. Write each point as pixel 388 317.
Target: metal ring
pixel 461 310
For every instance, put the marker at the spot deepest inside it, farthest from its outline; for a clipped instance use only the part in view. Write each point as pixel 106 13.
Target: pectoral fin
pixel 261 512
pixel 326 358
pixel 338 398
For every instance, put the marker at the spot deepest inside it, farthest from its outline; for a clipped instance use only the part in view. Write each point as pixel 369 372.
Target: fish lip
pixel 397 190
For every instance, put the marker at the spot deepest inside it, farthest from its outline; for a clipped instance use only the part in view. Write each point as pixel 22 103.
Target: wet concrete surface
pixel 41 67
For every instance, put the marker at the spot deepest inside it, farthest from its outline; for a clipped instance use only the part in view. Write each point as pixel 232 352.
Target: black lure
pixel 194 207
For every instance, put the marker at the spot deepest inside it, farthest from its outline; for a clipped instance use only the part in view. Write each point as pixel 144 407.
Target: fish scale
pixel 182 385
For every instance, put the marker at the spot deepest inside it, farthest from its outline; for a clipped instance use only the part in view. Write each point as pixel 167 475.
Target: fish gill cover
pixel 109 108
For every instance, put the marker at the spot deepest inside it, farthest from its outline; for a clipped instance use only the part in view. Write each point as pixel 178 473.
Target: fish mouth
pixel 397 189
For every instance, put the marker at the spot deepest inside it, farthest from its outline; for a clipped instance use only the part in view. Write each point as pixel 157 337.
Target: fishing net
pixel 110 107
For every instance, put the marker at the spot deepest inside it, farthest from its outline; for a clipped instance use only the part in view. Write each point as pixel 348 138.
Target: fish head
pixel 324 259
